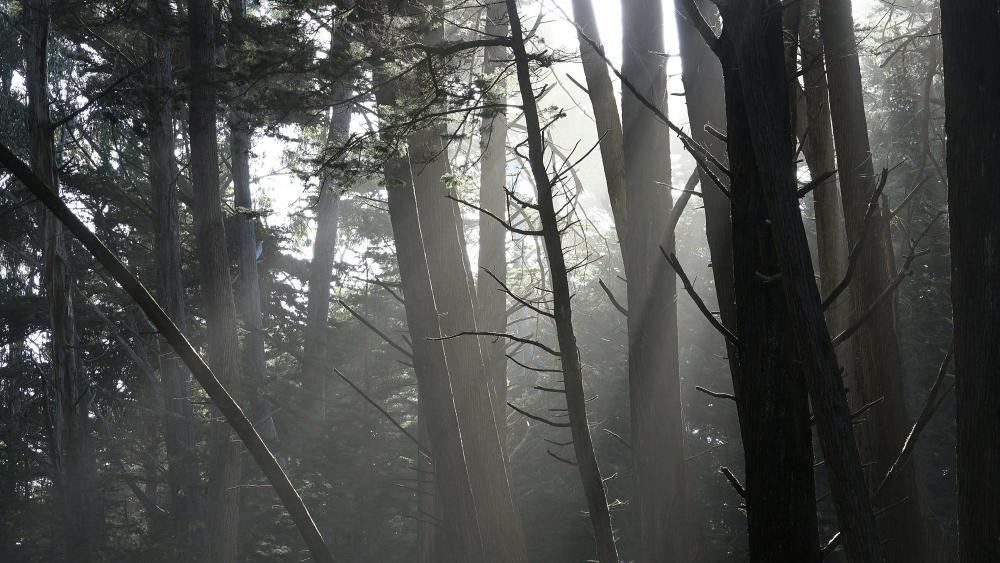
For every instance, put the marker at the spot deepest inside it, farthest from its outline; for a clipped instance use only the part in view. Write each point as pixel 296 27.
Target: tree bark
pixel 770 393
pixel 248 287
pixel 880 372
pixel 817 147
pixel 222 526
pixel 455 298
pixel 492 313
pixel 569 354
pixel 657 428
pixel 69 391
pixel 434 376
pixel 752 37
pixel 971 35
pixel 178 424
pixel 605 105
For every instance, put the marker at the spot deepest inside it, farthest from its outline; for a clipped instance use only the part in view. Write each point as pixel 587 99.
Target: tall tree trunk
pixel 434 376
pixel 818 149
pixel 770 392
pixel 222 533
pixel 455 298
pixel 240 132
pixel 605 105
pixel 657 428
pixel 752 43
pixel 971 35
pixel 69 392
pixel 492 235
pixel 880 373
pixel 569 354
pixel 704 94
pixel 178 428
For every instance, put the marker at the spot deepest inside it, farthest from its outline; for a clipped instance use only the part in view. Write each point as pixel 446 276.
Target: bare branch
pixel 672 260
pixel 538 418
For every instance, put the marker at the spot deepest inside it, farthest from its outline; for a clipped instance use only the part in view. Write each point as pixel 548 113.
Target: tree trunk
pixel 443 245
pixel 971 35
pixel 657 429
pixel 222 530
pixel 248 285
pixel 492 313
pixel 753 40
pixel 817 147
pixel 770 392
pixel 69 391
pixel 434 377
pixel 178 428
pixel 604 103
pixel 880 373
pixel 569 354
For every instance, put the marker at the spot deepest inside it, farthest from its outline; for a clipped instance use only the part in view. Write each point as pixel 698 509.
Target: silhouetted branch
pixel 672 260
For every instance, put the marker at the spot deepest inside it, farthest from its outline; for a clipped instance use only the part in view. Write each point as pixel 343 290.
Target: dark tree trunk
pixel 178 428
pixel 222 530
pixel 971 35
pixel 492 313
pixel 248 284
pixel 657 429
pixel 68 389
pixel 569 354
pixel 752 43
pixel 880 372
pixel 770 392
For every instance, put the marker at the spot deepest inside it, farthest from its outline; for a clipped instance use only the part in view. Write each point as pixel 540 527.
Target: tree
pixel 971 36
pixel 657 435
pixel 222 534
pixel 68 389
pixel 562 311
pixel 880 375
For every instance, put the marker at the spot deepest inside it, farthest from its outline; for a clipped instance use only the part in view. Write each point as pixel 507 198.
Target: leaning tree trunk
pixel 492 314
pixel 753 39
pixel 434 375
pixel 605 106
pixel 178 427
pixel 880 372
pixel 569 354
pixel 770 392
pixel 222 526
pixel 657 429
pixel 68 390
pixel 971 35
pixel 817 147
pixel 444 247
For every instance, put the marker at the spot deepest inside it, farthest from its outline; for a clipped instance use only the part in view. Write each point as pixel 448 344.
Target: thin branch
pixel 716 394
pixel 538 418
pixel 740 490
pixel 376 330
pixel 672 260
pixel 509 336
pixel 621 308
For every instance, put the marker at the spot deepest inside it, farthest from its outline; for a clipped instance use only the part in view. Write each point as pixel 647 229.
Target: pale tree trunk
pixel 657 428
pixel 178 428
pixel 569 354
pixel 439 416
pixel 69 392
pixel 605 106
pixel 880 372
pixel 443 245
pixel 817 147
pixel 971 35
pixel 492 314
pixel 254 363
pixel 223 499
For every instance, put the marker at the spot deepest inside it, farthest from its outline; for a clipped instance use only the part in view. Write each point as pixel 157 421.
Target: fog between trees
pixel 499 280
